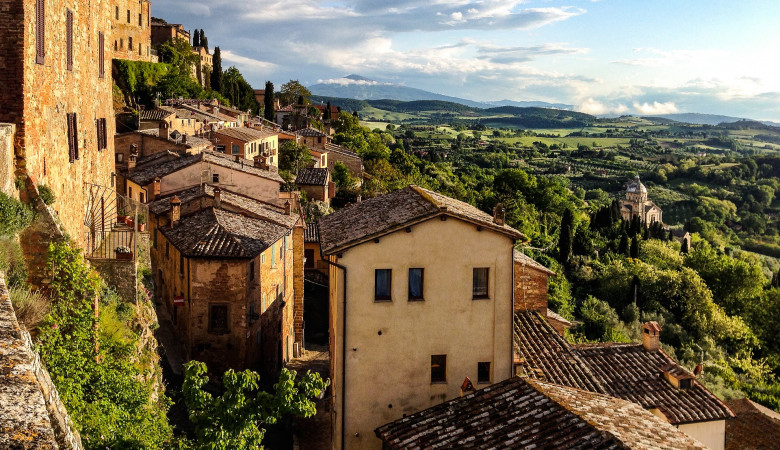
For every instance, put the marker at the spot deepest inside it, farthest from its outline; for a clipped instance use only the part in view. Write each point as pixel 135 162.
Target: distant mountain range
pixel 707 119
pixel 362 88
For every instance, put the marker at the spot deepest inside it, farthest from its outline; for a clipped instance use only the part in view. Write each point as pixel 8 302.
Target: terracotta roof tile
pixel 311 234
pixel 386 213
pixel 526 260
pixel 755 426
pixel 313 176
pixel 340 149
pixel 156 114
pixel 519 413
pixel 310 132
pixel 246 134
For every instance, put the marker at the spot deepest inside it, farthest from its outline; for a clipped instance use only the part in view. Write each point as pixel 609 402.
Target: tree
pixel 623 246
pixel 291 91
pixel 235 420
pixel 268 101
pixel 327 115
pixel 178 53
pixel 634 247
pixel 685 246
pixel 204 42
pixel 196 38
pixel 294 156
pixel 565 239
pixel 216 73
pixel 342 177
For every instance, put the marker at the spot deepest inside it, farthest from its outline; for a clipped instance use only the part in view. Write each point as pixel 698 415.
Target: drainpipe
pixel 343 351
pixel 512 313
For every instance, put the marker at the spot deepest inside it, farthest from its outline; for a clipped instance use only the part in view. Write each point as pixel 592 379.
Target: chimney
pixel 175 210
pixel 651 336
pixel 499 214
pixel 218 198
pixel 156 188
pixel 287 208
pixel 184 138
pixel 164 130
pixel 466 387
pixel 131 161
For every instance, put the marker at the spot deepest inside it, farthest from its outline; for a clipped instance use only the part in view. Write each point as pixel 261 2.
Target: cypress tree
pixel 776 279
pixel 685 246
pixel 634 248
pixel 567 233
pixel 615 211
pixel 623 246
pixel 327 112
pixel 216 71
pixel 204 42
pixel 670 236
pixel 268 101
pixel 645 233
pixel 196 38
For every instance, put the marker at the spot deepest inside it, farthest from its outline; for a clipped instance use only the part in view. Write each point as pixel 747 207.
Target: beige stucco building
pixel 636 204
pixel 421 294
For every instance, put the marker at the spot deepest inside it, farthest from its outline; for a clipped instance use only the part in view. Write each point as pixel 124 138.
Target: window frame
pixel 69 39
pixel 219 330
pixel 101 55
pixel 478 294
pixel 40 32
pixel 483 378
pixel 441 362
pixel 388 297
pixel 215 178
pixel 73 137
pixel 421 297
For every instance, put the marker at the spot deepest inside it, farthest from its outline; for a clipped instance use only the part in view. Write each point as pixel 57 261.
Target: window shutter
pixel 101 55
pixel 40 32
pixel 71 137
pixel 69 38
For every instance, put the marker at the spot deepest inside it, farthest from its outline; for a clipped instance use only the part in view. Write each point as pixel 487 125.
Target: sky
pixel 603 57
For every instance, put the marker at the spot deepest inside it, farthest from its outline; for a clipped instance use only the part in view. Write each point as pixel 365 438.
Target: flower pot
pixel 141 227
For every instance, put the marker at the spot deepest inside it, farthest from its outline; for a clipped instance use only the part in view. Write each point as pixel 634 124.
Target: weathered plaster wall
pixel 712 433
pixel 7 162
pixel 389 344
pixel 240 182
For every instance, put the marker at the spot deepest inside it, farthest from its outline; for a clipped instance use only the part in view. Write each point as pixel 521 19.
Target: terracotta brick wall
pixel 530 289
pixel 298 324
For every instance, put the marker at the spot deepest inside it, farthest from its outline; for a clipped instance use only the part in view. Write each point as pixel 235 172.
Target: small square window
pixel 438 368
pixel 483 372
pixel 382 282
pixel 215 178
pixel 480 285
pixel 416 284
pixel 218 318
pixel 236 149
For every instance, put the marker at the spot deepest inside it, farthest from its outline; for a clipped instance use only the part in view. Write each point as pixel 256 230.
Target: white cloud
pixel 245 62
pixel 655 108
pixel 349 81
pixel 597 108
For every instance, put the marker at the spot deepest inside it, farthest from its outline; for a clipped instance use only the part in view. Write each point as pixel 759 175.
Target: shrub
pixel 31 307
pixel 12 262
pixel 47 195
pixel 14 215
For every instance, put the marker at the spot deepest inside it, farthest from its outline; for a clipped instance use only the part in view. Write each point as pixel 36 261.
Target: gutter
pixel 343 351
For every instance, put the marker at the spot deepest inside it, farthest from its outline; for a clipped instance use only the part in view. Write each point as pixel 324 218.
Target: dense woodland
pixel 717 297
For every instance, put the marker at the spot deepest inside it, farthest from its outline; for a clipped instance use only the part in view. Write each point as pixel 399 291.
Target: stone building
pixel 203 66
pixel 163 32
pixel 353 161
pixel 636 204
pixel 531 281
pixel 248 143
pixel 56 88
pixel 315 182
pixel 223 266
pixel 421 294
pixel 131 30
pixel 167 120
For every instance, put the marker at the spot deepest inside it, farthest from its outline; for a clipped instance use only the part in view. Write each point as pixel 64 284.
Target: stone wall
pixel 32 415
pixel 126 29
pixel 530 288
pixel 120 275
pixel 298 325
pixel 7 162
pixel 36 238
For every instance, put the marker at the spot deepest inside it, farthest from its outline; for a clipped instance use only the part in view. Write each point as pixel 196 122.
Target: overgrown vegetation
pixel 14 215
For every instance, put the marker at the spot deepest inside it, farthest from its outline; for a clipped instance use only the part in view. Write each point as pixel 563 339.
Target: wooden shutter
pixel 101 134
pixel 69 38
pixel 101 55
pixel 72 144
pixel 40 31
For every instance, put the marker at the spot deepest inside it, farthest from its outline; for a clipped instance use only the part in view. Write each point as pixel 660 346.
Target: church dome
pixel 636 186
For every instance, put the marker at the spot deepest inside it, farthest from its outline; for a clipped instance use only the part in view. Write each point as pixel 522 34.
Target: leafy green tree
pixel 601 322
pixel 236 419
pixel 196 38
pixel 268 102
pixel 239 91
pixel 216 72
pixel 294 156
pixel 623 246
pixel 178 53
pixel 566 236
pixel 292 91
pixel 342 176
pixel 327 115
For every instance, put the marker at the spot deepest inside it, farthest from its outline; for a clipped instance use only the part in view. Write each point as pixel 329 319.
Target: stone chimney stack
pixel 651 336
pixel 164 130
pixel 287 208
pixel 175 210
pixel 218 198
pixel 131 161
pixel 156 188
pixel 499 214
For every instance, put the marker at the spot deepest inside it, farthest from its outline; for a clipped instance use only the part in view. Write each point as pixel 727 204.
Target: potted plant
pixel 121 215
pixel 123 253
pixel 141 222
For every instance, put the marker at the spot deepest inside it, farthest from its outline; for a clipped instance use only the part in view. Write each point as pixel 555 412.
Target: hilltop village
pixel 429 323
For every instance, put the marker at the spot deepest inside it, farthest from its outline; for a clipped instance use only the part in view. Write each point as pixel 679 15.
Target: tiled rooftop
pixel 311 234
pixel 526 260
pixel 520 413
pixel 246 134
pixel 392 211
pixel 340 149
pixel 218 233
pixel 143 175
pixel 156 114
pixel 310 132
pixel 755 427
pixel 192 141
pixel 313 176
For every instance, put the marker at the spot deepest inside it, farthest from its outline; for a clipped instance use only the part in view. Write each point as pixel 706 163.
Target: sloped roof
pixel 552 315
pixel 755 427
pixel 392 211
pixel 526 260
pixel 143 175
pixel 192 141
pixel 543 354
pixel 311 234
pixel 156 114
pixel 217 233
pixel 246 134
pixel 631 372
pixel 518 413
pixel 341 150
pixel 310 132
pixel 252 207
pixel 313 176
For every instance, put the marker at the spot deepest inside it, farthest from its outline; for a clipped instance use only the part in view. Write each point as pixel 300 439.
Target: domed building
pixel 636 203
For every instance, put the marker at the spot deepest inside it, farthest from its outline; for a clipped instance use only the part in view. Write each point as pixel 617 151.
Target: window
pixel 142 197
pixel 236 149
pixel 102 143
pixel 218 318
pixel 483 372
pixel 130 191
pixel 308 254
pixel 262 258
pixel 215 178
pixel 438 368
pixel 120 157
pixel 73 137
pixel 140 20
pixel 117 13
pixel 221 148
pixel 273 256
pixel 101 55
pixel 69 39
pixel 130 43
pixel 128 16
pixel 40 32
pixel 181 264
pixel 251 270
pixel 480 289
pixel 415 284
pixel 382 281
